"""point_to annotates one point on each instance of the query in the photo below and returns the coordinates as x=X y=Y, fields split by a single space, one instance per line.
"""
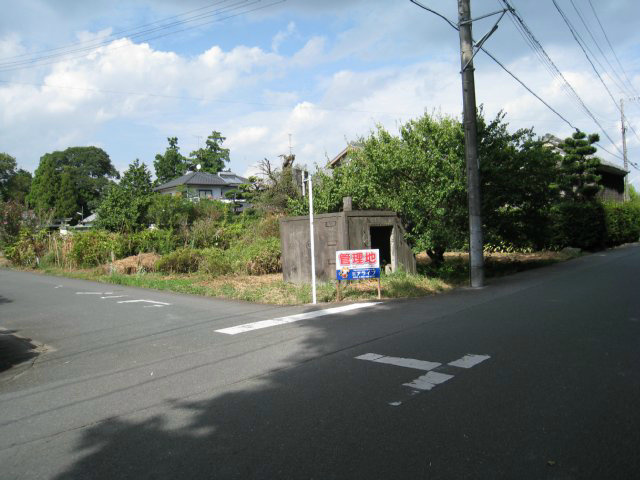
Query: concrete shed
x=347 y=230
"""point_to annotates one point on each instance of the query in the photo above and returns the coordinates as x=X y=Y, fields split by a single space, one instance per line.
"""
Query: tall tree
x=7 y=171
x=519 y=179
x=578 y=168
x=171 y=164
x=124 y=208
x=89 y=168
x=213 y=157
x=19 y=186
x=66 y=198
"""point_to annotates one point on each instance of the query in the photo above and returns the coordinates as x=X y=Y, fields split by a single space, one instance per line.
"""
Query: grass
x=271 y=289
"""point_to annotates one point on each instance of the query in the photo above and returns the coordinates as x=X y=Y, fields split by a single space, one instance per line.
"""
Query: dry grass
x=141 y=263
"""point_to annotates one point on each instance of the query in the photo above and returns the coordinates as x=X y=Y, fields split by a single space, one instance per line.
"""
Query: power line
x=511 y=9
x=39 y=61
x=580 y=42
x=611 y=47
x=621 y=86
x=513 y=75
x=96 y=42
x=557 y=73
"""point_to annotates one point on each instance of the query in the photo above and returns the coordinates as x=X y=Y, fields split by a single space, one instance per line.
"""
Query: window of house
x=205 y=193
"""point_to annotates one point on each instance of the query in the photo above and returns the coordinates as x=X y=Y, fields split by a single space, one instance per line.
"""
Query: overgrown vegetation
x=533 y=199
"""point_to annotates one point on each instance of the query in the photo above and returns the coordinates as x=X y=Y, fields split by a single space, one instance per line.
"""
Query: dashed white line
x=428 y=381
x=400 y=362
x=468 y=361
x=143 y=301
x=115 y=296
x=247 y=327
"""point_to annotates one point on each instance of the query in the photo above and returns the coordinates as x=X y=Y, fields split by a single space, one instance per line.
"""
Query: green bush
x=29 y=248
x=258 y=257
x=208 y=232
x=622 y=223
x=170 y=211
x=160 y=241
x=215 y=262
x=183 y=260
x=211 y=209
x=94 y=247
x=578 y=224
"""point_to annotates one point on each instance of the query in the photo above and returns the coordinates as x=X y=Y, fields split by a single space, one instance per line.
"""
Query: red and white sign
x=352 y=264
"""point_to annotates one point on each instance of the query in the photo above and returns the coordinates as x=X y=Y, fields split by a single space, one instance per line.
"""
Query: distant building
x=612 y=176
x=197 y=185
x=343 y=157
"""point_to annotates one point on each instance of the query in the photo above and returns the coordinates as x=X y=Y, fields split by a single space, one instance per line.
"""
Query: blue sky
x=325 y=72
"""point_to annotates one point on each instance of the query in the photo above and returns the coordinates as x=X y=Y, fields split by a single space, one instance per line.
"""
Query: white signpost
x=357 y=265
x=311 y=242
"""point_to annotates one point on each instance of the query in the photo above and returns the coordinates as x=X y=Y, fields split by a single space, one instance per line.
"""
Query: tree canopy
x=420 y=174
x=579 y=167
x=212 y=158
x=86 y=171
x=172 y=164
x=14 y=183
x=124 y=208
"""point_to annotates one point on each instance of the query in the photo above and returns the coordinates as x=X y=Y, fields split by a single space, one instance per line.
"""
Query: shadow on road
x=15 y=349
x=241 y=434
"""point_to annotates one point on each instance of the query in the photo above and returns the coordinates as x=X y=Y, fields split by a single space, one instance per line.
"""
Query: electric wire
x=510 y=8
x=48 y=60
x=114 y=35
x=611 y=47
x=617 y=80
x=580 y=42
x=538 y=47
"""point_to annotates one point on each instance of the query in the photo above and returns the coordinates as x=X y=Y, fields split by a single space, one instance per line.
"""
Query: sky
x=310 y=74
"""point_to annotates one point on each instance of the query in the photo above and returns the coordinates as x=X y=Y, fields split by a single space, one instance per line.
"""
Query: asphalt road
x=535 y=376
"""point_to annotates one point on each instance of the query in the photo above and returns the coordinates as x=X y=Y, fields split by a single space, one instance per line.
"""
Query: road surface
x=535 y=376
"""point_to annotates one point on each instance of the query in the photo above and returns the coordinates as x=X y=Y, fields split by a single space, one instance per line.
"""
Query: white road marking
x=469 y=361
x=145 y=301
x=58 y=286
x=432 y=378
x=94 y=293
x=115 y=296
x=428 y=381
x=400 y=362
x=247 y=327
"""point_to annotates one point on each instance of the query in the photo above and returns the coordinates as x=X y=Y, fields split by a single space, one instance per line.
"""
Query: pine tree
x=578 y=168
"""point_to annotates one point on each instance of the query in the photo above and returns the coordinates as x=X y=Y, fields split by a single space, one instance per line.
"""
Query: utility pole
x=624 y=151
x=476 y=259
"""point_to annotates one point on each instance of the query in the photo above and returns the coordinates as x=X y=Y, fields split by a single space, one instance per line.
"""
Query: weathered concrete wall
x=337 y=231
x=296 y=246
x=359 y=227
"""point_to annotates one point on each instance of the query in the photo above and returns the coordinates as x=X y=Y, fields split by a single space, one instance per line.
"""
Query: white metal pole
x=313 y=250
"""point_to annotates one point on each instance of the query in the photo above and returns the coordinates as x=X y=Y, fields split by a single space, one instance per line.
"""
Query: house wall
x=332 y=232
x=613 y=187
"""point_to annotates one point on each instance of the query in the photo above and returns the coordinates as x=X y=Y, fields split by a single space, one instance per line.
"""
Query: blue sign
x=358 y=274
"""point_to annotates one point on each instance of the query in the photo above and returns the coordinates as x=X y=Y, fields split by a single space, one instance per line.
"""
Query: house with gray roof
x=197 y=185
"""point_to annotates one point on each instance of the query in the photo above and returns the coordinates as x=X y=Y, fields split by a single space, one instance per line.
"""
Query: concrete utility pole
x=476 y=259
x=624 y=151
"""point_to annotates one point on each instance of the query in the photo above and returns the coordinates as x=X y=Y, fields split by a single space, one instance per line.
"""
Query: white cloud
x=282 y=35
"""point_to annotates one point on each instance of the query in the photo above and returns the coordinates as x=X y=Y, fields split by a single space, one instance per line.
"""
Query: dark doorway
x=381 y=239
